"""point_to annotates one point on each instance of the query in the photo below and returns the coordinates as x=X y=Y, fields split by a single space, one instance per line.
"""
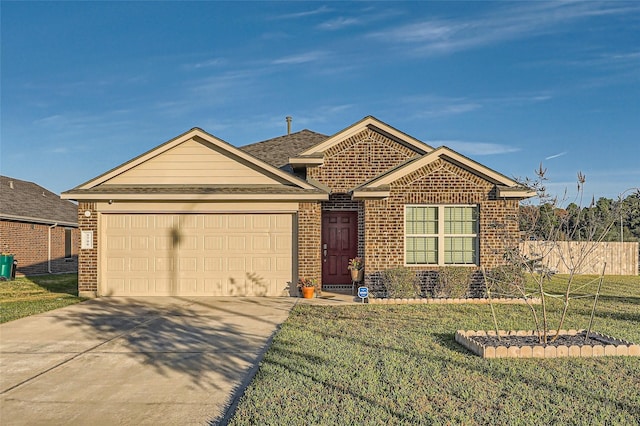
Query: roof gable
x=378 y=187
x=29 y=202
x=193 y=158
x=373 y=124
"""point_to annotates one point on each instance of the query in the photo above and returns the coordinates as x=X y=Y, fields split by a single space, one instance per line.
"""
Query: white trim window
x=441 y=235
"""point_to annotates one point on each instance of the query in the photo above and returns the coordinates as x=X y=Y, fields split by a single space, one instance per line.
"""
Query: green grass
x=399 y=364
x=33 y=295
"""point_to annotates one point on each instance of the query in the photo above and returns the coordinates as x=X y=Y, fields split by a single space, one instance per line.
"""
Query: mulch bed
x=562 y=340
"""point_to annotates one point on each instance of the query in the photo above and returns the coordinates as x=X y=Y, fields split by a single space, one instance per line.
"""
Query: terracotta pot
x=357 y=275
x=307 y=292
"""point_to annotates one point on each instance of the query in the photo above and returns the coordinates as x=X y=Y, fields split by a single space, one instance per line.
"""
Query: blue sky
x=87 y=86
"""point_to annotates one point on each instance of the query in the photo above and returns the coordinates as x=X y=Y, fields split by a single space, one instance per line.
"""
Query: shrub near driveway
x=33 y=295
x=399 y=364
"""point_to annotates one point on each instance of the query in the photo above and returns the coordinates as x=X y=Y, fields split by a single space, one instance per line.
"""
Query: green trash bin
x=6 y=265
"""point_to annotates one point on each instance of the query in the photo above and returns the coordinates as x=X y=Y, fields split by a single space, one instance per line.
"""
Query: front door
x=339 y=244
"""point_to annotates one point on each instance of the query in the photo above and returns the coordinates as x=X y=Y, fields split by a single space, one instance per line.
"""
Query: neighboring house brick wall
x=309 y=241
x=88 y=258
x=29 y=243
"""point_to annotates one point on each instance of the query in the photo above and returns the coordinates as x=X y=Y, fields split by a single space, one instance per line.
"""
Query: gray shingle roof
x=22 y=200
x=277 y=151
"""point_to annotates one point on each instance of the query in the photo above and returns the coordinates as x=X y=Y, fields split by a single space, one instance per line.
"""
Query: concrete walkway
x=132 y=361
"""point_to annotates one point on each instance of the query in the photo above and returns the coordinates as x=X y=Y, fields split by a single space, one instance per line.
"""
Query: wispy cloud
x=444 y=36
x=303 y=14
x=338 y=23
x=209 y=63
x=434 y=106
x=475 y=148
x=301 y=58
x=551 y=157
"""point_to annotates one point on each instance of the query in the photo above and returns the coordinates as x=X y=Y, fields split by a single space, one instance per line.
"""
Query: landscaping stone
x=525 y=344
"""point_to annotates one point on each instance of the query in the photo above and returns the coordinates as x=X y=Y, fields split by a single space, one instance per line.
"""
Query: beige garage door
x=196 y=255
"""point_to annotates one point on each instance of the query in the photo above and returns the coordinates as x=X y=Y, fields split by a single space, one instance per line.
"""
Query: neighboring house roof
x=259 y=178
x=277 y=151
x=28 y=202
x=379 y=186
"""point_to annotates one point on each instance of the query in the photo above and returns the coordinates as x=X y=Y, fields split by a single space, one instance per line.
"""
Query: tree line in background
x=615 y=220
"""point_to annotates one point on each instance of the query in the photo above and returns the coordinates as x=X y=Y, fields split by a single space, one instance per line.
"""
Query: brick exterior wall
x=358 y=159
x=351 y=163
x=309 y=241
x=29 y=243
x=88 y=258
x=437 y=183
x=367 y=154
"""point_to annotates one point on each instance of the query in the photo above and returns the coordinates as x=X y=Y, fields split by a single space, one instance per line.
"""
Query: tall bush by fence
x=621 y=258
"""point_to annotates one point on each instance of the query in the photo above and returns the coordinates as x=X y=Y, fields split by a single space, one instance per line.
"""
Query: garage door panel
x=237 y=243
x=139 y=264
x=117 y=242
x=163 y=264
x=189 y=242
x=214 y=242
x=139 y=285
x=163 y=242
x=213 y=255
x=188 y=264
x=282 y=243
x=116 y=264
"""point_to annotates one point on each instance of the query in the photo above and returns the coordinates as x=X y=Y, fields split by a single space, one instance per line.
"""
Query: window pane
x=422 y=220
x=422 y=250
x=460 y=220
x=460 y=250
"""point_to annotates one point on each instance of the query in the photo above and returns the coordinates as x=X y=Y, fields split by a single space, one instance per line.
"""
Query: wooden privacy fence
x=561 y=256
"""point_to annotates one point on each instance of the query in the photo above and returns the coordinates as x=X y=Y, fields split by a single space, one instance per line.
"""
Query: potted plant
x=356 y=266
x=307 y=286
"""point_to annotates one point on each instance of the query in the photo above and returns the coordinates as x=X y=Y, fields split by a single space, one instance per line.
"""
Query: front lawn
x=32 y=295
x=399 y=364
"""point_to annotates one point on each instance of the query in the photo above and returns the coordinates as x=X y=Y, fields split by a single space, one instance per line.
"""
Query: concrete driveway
x=160 y=360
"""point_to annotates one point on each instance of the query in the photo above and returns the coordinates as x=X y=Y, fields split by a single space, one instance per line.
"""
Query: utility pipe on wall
x=49 y=259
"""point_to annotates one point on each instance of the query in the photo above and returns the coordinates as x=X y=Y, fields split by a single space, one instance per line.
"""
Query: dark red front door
x=339 y=244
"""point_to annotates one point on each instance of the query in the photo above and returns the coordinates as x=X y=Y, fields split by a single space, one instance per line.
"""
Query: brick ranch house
x=198 y=216
x=38 y=228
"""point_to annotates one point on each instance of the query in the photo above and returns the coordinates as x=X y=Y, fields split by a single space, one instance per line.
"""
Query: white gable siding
x=191 y=162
